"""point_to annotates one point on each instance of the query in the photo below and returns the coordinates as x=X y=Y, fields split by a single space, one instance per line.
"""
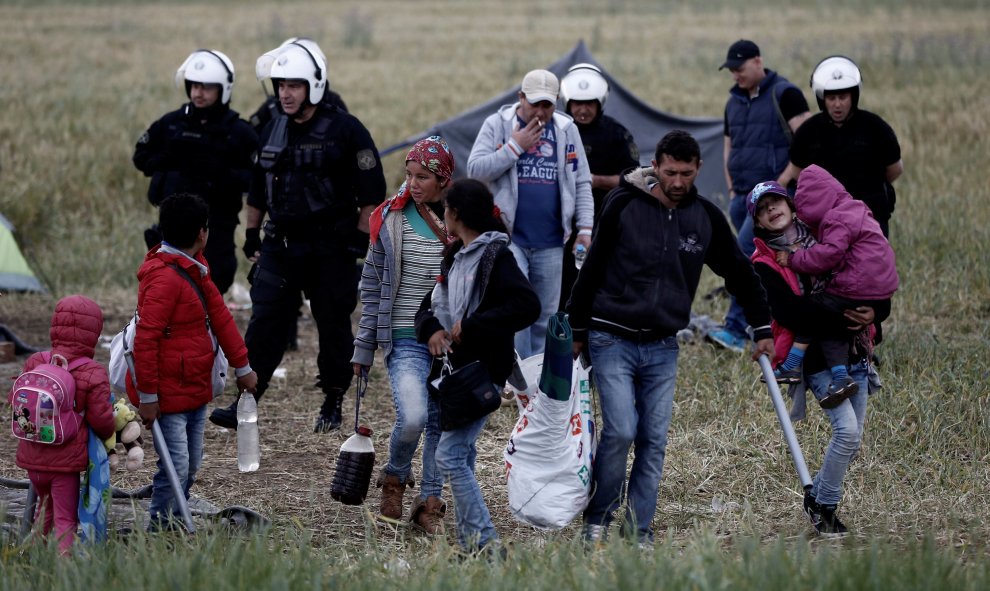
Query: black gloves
x=252 y=242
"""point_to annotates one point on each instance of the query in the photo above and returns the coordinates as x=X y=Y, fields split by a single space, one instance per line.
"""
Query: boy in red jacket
x=173 y=348
x=54 y=469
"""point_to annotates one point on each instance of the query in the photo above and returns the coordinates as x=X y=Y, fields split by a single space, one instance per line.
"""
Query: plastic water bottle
x=356 y=462
x=248 y=450
x=579 y=255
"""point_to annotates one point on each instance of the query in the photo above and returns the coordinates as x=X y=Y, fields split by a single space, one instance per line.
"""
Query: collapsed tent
x=645 y=123
x=15 y=274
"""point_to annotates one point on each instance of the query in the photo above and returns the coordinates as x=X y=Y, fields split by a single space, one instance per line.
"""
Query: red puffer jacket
x=173 y=351
x=76 y=327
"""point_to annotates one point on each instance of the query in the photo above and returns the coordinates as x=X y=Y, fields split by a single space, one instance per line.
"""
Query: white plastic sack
x=123 y=343
x=531 y=368
x=549 y=455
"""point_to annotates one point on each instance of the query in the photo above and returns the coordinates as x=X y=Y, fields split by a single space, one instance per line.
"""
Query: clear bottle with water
x=248 y=448
x=580 y=253
x=355 y=463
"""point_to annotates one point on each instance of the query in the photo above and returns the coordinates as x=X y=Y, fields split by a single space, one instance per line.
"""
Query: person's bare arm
x=604 y=181
x=791 y=172
x=795 y=122
x=894 y=171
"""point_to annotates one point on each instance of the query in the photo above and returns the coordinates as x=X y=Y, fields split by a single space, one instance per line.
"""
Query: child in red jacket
x=54 y=469
x=173 y=349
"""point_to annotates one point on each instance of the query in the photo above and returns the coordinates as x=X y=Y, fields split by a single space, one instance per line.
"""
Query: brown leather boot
x=427 y=515
x=392 y=491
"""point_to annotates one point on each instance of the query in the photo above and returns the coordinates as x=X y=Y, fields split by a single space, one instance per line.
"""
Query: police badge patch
x=366 y=159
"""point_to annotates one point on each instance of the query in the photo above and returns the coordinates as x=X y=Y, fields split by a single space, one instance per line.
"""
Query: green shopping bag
x=558 y=358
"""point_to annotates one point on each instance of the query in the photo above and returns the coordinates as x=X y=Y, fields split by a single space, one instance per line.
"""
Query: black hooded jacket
x=645 y=262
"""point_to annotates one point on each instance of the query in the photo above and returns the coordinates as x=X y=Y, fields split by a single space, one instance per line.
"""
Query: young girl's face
x=774 y=214
x=451 y=221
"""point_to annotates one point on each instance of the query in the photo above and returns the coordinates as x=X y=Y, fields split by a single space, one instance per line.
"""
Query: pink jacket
x=849 y=240
x=76 y=327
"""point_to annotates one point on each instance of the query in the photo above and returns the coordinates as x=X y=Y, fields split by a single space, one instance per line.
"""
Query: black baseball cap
x=739 y=52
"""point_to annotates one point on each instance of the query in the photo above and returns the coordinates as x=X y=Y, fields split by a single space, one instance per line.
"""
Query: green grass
x=220 y=562
x=83 y=80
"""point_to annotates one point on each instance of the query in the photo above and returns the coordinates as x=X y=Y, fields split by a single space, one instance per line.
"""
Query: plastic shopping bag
x=549 y=455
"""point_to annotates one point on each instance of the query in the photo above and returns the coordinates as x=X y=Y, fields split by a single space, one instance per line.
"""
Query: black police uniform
x=311 y=189
x=611 y=150
x=208 y=152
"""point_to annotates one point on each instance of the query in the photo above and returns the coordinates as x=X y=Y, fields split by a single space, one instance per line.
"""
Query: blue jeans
x=847 y=431
x=183 y=433
x=737 y=211
x=543 y=268
x=409 y=365
x=735 y=318
x=636 y=393
x=456 y=453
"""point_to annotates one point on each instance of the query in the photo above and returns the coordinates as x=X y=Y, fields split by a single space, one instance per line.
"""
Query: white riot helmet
x=294 y=61
x=584 y=82
x=207 y=66
x=836 y=73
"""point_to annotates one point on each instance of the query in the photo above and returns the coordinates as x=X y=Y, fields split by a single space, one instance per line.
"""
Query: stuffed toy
x=128 y=432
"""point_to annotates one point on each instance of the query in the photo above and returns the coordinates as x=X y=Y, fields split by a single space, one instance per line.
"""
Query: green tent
x=15 y=274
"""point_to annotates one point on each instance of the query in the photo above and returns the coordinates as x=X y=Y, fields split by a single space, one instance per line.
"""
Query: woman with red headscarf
x=407 y=242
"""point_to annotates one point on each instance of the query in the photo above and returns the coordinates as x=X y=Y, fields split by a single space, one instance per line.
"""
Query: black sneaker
x=225 y=417
x=786 y=376
x=331 y=412
x=829 y=524
x=839 y=391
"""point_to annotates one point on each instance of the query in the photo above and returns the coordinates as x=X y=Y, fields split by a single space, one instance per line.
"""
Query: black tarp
x=646 y=123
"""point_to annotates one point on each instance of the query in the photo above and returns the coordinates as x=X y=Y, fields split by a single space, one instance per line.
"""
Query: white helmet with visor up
x=207 y=66
x=584 y=82
x=294 y=61
x=833 y=74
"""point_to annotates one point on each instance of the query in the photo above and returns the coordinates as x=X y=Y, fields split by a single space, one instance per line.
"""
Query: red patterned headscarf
x=432 y=153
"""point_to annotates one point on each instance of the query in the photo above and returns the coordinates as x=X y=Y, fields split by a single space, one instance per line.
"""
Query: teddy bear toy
x=128 y=433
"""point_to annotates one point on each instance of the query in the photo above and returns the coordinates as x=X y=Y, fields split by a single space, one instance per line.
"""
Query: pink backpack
x=44 y=401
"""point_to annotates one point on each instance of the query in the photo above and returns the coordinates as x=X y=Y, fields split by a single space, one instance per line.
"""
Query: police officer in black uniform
x=206 y=149
x=319 y=176
x=271 y=109
x=610 y=147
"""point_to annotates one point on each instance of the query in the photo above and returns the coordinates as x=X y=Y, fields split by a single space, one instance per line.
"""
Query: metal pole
x=162 y=449
x=30 y=506
x=785 y=422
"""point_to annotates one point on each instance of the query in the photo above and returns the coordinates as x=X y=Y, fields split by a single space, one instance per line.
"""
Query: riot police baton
x=785 y=423
x=166 y=457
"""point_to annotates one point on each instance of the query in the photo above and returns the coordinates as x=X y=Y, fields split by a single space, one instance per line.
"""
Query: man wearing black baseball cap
x=762 y=114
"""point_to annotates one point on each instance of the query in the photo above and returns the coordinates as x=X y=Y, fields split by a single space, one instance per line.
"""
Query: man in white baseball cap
x=534 y=162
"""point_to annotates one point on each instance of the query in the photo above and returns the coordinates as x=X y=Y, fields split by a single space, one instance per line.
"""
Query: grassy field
x=83 y=80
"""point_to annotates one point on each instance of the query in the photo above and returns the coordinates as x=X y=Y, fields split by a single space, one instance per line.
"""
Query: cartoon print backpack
x=43 y=401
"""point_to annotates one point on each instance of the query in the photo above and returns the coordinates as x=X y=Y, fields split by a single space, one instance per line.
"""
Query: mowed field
x=81 y=82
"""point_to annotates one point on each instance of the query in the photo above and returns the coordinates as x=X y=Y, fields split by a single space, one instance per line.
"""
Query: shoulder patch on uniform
x=144 y=139
x=366 y=159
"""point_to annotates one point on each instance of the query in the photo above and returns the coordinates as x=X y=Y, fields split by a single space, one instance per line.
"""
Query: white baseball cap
x=540 y=85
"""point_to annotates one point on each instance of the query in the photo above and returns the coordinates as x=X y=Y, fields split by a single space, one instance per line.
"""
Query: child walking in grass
x=842 y=245
x=54 y=469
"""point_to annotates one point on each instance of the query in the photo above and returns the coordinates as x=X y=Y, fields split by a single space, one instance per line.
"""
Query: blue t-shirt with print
x=538 y=218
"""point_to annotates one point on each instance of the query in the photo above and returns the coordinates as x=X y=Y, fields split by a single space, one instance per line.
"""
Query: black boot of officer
x=331 y=412
x=329 y=420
